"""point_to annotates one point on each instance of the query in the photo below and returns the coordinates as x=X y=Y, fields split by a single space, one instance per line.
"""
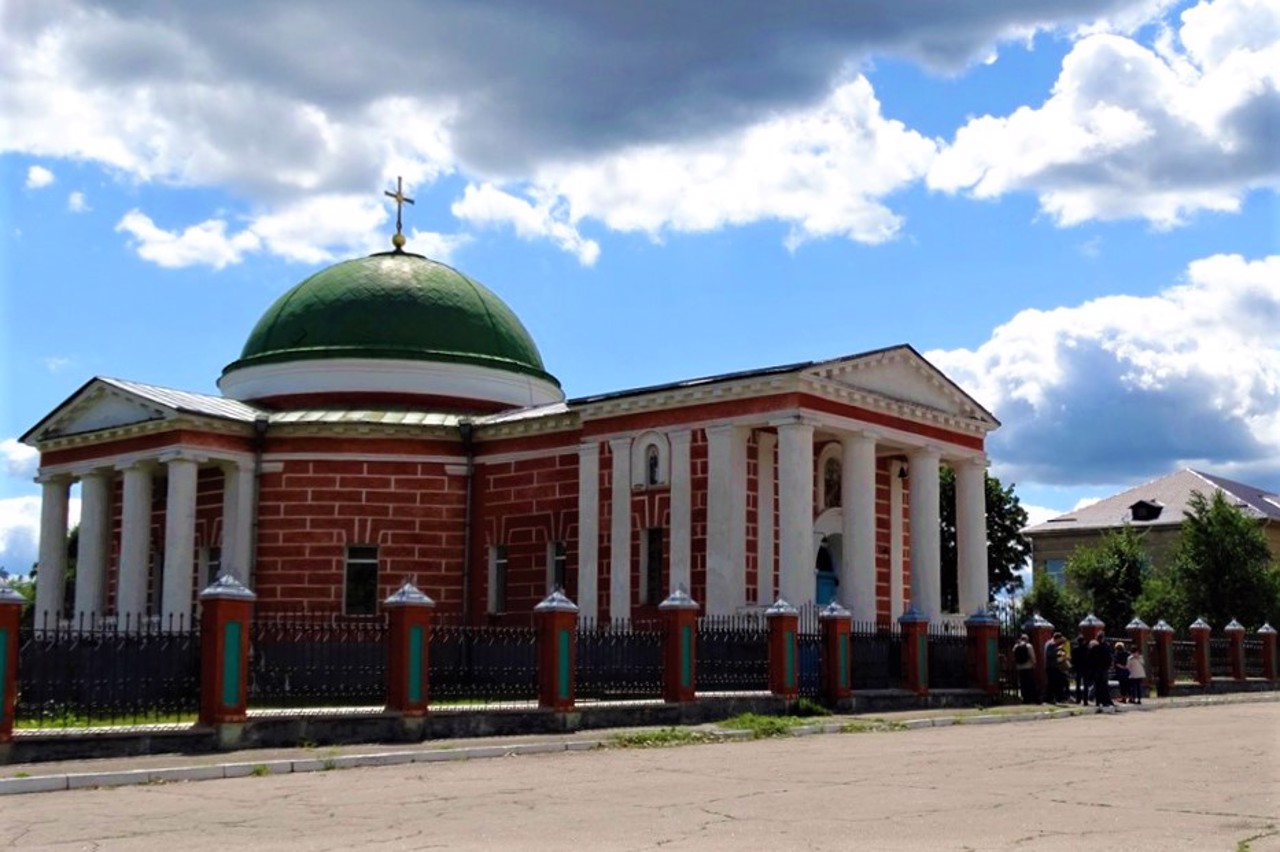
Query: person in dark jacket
x=1121 y=670
x=1080 y=668
x=1100 y=662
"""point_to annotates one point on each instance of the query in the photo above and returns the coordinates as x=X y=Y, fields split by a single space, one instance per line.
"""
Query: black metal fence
x=948 y=659
x=875 y=654
x=1220 y=658
x=1184 y=659
x=309 y=660
x=619 y=660
x=733 y=654
x=810 y=663
x=1253 y=658
x=81 y=674
x=482 y=666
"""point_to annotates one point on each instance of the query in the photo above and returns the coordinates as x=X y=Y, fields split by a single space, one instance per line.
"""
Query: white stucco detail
x=858 y=568
x=897 y=572
x=375 y=375
x=971 y=535
x=766 y=467
x=55 y=492
x=926 y=536
x=681 y=511
x=179 y=542
x=135 y=544
x=795 y=512
x=95 y=544
x=726 y=519
x=102 y=410
x=588 y=530
x=640 y=451
x=620 y=531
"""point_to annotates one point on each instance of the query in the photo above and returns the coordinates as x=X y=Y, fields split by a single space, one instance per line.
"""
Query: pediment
x=903 y=375
x=95 y=407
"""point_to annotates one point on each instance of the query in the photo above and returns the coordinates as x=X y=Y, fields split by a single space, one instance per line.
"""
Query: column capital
x=793 y=421
x=856 y=436
x=53 y=479
x=680 y=436
x=957 y=462
x=766 y=439
x=181 y=455
x=589 y=448
x=616 y=444
x=144 y=464
x=241 y=465
x=723 y=429
x=925 y=451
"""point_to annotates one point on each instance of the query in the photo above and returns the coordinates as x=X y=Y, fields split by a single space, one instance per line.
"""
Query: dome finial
x=401 y=200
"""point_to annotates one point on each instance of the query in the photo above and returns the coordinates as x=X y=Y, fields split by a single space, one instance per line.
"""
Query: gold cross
x=401 y=200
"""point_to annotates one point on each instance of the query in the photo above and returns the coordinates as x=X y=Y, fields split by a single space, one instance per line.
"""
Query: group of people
x=1092 y=664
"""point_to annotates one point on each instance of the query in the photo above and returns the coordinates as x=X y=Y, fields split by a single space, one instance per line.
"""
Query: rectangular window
x=498 y=578
x=557 y=560
x=1056 y=569
x=212 y=557
x=651 y=594
x=362 y=581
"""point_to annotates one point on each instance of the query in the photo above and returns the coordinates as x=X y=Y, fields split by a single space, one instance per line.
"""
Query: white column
x=726 y=519
x=620 y=531
x=896 y=563
x=95 y=544
x=795 y=512
x=135 y=543
x=681 y=511
x=179 y=541
x=766 y=444
x=52 y=568
x=858 y=502
x=926 y=535
x=588 y=530
x=237 y=520
x=971 y=534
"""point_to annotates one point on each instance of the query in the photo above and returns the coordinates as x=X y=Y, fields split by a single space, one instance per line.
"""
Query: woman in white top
x=1137 y=675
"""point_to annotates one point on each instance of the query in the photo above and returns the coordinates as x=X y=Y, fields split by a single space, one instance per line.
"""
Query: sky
x=1070 y=207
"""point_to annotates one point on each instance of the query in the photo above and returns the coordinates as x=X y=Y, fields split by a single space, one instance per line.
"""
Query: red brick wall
x=311 y=511
x=527 y=504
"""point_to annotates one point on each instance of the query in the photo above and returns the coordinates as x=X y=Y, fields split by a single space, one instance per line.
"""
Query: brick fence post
x=557 y=619
x=11 y=604
x=915 y=651
x=983 y=631
x=1163 y=634
x=408 y=647
x=1039 y=630
x=679 y=614
x=1200 y=631
x=225 y=614
x=1092 y=628
x=784 y=622
x=1267 y=634
x=1235 y=639
x=836 y=622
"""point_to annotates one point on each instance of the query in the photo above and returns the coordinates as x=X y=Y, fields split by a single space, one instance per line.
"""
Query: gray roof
x=1172 y=494
x=194 y=403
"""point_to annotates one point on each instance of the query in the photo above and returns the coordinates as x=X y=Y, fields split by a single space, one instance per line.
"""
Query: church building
x=390 y=419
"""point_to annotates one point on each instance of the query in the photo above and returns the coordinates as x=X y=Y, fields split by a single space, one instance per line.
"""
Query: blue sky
x=1071 y=210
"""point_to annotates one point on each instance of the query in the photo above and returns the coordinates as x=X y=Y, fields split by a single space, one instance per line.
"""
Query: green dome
x=397 y=306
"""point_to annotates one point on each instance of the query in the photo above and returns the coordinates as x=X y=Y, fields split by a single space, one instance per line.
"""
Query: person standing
x=1024 y=660
x=1056 y=665
x=1080 y=668
x=1100 y=661
x=1137 y=675
x=1121 y=663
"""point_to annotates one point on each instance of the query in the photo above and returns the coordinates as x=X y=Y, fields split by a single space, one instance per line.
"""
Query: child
x=1137 y=675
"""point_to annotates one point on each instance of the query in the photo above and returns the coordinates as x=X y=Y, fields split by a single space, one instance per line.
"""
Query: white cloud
x=206 y=243
x=317 y=229
x=39 y=177
x=1085 y=502
x=76 y=203
x=1123 y=387
x=822 y=171
x=56 y=364
x=19 y=460
x=1039 y=514
x=20 y=531
x=486 y=205
x=1131 y=131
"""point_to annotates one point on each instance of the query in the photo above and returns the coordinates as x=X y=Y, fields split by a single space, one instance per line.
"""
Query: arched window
x=831 y=483
x=652 y=466
x=650 y=461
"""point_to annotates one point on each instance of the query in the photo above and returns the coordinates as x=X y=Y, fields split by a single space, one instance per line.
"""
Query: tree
x=1221 y=569
x=1060 y=606
x=1007 y=548
x=1109 y=576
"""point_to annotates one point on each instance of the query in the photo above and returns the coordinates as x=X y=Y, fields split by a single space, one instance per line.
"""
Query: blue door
x=827 y=581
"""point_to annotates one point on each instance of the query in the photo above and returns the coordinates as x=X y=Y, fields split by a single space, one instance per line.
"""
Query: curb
x=123 y=778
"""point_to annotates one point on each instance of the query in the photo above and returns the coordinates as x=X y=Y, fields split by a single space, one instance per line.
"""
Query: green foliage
x=809 y=707
x=1061 y=607
x=663 y=738
x=1109 y=576
x=1221 y=569
x=1007 y=548
x=762 y=726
